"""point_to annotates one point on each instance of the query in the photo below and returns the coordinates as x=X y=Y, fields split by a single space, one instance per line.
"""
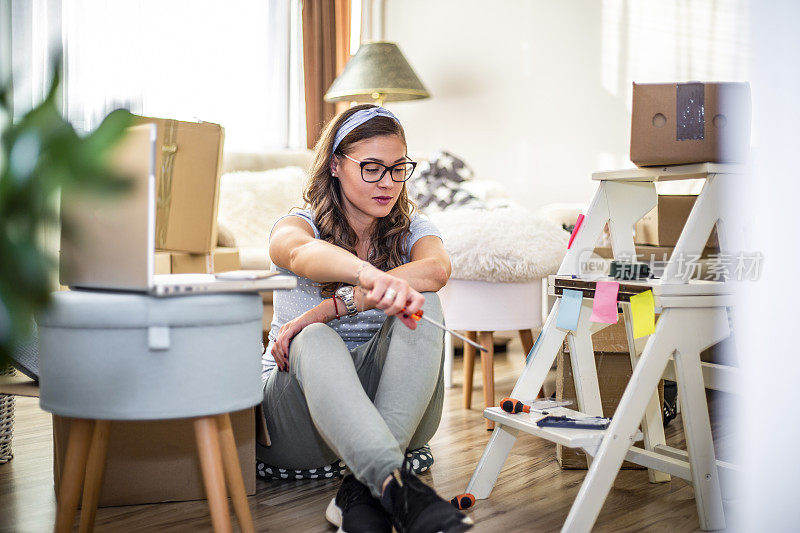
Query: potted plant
x=40 y=155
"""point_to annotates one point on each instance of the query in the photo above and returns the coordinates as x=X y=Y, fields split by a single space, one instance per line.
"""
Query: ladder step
x=571 y=438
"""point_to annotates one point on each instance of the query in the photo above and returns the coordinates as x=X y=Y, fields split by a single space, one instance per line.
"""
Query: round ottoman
x=118 y=356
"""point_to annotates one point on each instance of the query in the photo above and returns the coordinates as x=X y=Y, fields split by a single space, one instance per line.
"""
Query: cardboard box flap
x=188 y=166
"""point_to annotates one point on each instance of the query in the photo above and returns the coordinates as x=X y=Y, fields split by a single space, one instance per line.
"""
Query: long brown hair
x=324 y=196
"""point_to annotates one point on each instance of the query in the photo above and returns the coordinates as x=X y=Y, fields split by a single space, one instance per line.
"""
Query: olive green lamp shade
x=377 y=73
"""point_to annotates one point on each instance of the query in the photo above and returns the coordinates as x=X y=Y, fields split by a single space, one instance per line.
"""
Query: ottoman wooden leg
x=95 y=467
x=469 y=369
x=205 y=431
x=80 y=436
x=233 y=474
x=526 y=337
x=487 y=365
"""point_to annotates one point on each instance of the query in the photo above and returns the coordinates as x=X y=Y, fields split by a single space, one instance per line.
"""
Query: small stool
x=480 y=308
x=114 y=356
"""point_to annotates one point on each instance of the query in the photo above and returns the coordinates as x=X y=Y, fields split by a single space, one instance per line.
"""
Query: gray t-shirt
x=290 y=304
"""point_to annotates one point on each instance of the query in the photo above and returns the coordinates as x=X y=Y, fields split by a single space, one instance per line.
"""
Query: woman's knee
x=432 y=306
x=313 y=341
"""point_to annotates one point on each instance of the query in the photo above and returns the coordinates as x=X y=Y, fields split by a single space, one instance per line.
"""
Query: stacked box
x=220 y=260
x=188 y=166
x=663 y=225
x=156 y=461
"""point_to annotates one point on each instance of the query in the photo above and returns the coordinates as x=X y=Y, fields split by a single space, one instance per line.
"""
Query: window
x=235 y=63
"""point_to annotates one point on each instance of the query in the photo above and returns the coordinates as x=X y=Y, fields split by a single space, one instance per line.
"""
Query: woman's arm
x=429 y=268
x=292 y=246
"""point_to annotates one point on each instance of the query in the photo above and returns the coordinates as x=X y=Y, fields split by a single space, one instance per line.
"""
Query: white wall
x=766 y=325
x=536 y=93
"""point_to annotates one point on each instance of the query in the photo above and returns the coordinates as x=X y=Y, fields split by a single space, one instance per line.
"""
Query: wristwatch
x=345 y=294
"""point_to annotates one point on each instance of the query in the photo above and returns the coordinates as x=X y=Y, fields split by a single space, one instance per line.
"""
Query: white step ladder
x=693 y=317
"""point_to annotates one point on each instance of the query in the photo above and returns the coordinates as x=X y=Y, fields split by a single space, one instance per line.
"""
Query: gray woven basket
x=7 y=403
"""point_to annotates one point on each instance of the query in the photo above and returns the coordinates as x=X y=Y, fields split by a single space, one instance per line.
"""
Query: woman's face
x=372 y=199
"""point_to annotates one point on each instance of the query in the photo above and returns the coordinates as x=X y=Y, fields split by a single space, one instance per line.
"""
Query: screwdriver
x=419 y=315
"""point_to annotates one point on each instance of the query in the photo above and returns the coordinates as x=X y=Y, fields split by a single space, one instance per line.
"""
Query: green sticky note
x=643 y=312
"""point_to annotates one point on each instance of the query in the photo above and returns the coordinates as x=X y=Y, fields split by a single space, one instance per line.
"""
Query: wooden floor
x=532 y=492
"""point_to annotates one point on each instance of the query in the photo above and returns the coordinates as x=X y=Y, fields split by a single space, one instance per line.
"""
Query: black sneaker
x=355 y=510
x=670 y=407
x=416 y=508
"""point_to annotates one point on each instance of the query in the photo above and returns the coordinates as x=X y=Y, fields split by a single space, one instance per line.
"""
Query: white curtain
x=35 y=35
x=652 y=41
x=236 y=63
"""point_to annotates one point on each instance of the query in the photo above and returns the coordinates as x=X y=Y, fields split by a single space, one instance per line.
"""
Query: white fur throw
x=501 y=245
x=251 y=202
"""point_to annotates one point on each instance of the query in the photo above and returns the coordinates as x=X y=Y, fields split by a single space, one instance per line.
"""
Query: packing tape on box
x=168 y=149
x=690 y=112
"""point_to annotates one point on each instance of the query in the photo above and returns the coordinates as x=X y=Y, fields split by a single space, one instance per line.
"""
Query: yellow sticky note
x=643 y=311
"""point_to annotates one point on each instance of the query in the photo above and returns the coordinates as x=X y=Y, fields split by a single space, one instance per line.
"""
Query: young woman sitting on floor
x=349 y=373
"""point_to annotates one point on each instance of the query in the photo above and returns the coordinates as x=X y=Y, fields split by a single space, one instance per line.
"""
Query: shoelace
x=354 y=493
x=423 y=494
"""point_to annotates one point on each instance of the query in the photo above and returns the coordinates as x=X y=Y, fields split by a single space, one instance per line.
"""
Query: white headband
x=357 y=119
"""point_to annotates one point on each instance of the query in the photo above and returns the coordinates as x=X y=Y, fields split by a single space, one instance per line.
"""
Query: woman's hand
x=389 y=293
x=280 y=348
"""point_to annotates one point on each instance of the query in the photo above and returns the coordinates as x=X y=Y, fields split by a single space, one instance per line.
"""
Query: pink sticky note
x=575 y=231
x=604 y=308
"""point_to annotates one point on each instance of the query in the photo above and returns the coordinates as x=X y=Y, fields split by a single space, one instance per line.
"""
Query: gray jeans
x=364 y=406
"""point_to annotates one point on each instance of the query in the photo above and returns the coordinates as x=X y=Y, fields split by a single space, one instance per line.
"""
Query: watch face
x=346 y=294
x=344 y=291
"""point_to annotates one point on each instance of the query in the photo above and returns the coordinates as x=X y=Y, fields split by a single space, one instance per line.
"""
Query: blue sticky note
x=569 y=310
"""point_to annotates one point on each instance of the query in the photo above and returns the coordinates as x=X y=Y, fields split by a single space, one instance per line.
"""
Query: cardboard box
x=644 y=252
x=663 y=225
x=163 y=263
x=156 y=461
x=677 y=123
x=19 y=385
x=220 y=260
x=188 y=165
x=609 y=339
x=613 y=372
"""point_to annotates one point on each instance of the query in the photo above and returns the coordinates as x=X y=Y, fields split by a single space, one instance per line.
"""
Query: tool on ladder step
x=514 y=406
x=510 y=405
x=589 y=422
x=463 y=501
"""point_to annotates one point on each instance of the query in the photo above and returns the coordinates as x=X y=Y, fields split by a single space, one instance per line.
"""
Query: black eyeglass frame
x=386 y=168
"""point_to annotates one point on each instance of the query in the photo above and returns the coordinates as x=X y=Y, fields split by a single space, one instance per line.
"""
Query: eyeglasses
x=373 y=172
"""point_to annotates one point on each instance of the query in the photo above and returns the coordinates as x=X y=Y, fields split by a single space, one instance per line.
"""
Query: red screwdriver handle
x=514 y=406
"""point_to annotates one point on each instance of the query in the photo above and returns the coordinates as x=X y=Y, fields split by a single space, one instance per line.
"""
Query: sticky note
x=604 y=308
x=569 y=310
x=643 y=312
